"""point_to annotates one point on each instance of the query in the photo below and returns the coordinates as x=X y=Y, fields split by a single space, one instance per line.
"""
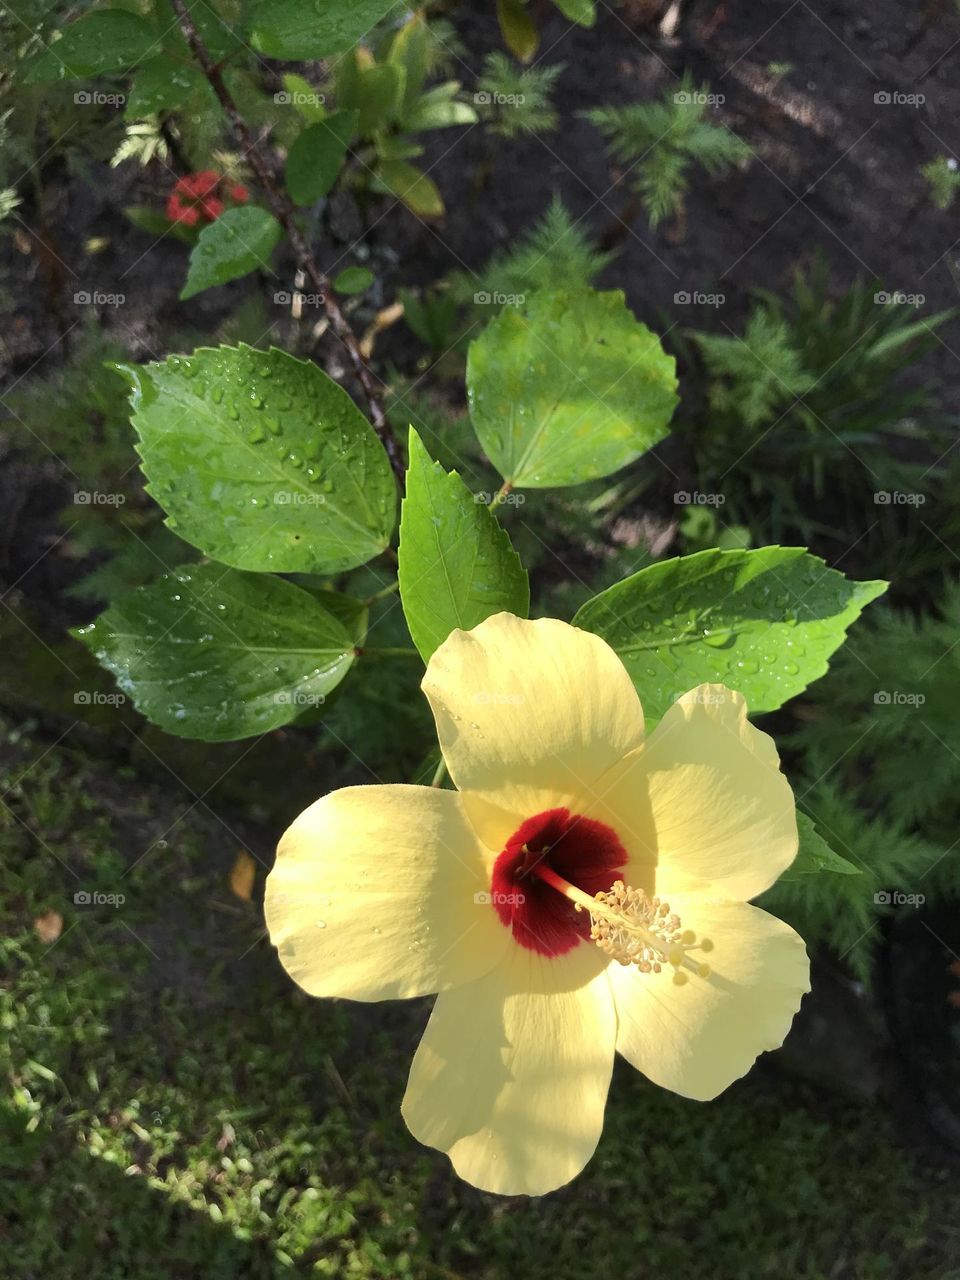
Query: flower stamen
x=632 y=928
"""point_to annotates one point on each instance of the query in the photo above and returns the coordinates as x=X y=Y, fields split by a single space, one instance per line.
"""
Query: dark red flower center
x=586 y=853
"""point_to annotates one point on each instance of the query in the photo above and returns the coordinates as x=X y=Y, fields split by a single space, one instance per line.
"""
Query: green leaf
x=102 y=42
x=815 y=855
x=583 y=12
x=237 y=243
x=763 y=622
x=298 y=32
x=262 y=461
x=518 y=29
x=210 y=653
x=303 y=97
x=415 y=189
x=220 y=35
x=457 y=566
x=156 y=223
x=439 y=109
x=410 y=49
x=354 y=614
x=378 y=96
x=316 y=157
x=568 y=387
x=353 y=280
x=166 y=84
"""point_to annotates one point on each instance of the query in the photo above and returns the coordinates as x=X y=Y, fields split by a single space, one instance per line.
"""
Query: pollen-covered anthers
x=634 y=929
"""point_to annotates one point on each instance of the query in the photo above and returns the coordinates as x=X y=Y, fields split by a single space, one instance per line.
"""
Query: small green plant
x=813 y=390
x=432 y=315
x=888 y=714
x=880 y=741
x=943 y=180
x=386 y=93
x=557 y=247
x=516 y=100
x=845 y=912
x=752 y=377
x=661 y=142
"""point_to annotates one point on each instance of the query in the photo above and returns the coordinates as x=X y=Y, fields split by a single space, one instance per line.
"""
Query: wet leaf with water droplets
x=764 y=622
x=96 y=44
x=211 y=653
x=305 y=29
x=278 y=472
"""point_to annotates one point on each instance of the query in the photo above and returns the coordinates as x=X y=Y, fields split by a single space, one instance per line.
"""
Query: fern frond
x=659 y=141
x=756 y=375
x=516 y=99
x=555 y=250
x=943 y=179
x=846 y=913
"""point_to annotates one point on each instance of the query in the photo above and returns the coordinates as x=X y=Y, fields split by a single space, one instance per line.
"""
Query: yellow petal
x=511 y=1077
x=705 y=800
x=529 y=716
x=696 y=1039
x=373 y=895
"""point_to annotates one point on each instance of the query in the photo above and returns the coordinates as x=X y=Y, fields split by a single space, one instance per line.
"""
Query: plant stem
x=502 y=494
x=440 y=774
x=283 y=210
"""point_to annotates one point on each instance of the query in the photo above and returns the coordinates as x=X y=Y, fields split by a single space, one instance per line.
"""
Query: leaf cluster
x=661 y=142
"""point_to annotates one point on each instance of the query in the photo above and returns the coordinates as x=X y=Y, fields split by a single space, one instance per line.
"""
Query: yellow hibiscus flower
x=584 y=891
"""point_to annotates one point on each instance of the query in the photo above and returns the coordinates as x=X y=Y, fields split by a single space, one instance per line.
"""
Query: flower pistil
x=633 y=928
